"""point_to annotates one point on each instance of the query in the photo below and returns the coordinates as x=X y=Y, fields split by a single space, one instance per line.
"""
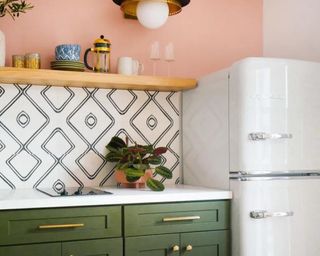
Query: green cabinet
x=163 y=229
x=192 y=228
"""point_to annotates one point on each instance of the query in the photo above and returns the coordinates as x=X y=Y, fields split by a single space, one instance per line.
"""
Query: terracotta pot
x=140 y=183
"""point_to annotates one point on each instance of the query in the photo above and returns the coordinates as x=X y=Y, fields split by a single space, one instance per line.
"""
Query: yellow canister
x=18 y=61
x=32 y=60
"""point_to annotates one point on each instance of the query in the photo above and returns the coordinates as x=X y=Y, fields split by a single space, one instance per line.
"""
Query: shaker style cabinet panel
x=156 y=245
x=210 y=243
x=52 y=249
x=175 y=217
x=192 y=228
x=46 y=225
x=99 y=247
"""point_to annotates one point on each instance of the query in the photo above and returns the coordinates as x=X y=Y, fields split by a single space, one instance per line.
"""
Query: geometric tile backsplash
x=57 y=135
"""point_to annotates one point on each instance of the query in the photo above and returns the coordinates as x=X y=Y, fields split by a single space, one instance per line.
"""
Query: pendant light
x=151 y=14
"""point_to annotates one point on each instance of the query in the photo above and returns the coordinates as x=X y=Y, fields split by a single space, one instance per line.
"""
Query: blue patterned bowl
x=68 y=52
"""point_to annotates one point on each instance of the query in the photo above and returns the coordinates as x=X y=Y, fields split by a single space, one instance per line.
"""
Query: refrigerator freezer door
x=274 y=117
x=276 y=218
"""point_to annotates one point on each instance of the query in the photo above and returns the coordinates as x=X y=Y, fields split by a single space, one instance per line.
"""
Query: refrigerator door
x=274 y=116
x=276 y=217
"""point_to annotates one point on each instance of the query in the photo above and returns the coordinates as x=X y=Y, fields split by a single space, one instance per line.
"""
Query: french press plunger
x=101 y=57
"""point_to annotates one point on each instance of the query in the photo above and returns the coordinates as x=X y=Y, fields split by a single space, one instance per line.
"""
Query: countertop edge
x=184 y=194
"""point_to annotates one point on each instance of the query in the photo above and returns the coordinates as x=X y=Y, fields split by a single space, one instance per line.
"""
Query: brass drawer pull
x=57 y=226
x=185 y=218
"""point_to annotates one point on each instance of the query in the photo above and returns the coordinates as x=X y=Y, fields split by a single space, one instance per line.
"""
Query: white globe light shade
x=152 y=14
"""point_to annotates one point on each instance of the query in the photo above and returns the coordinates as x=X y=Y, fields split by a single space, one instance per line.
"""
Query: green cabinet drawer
x=98 y=247
x=61 y=224
x=176 y=217
x=52 y=249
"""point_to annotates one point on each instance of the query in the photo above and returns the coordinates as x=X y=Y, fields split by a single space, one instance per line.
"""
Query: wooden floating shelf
x=95 y=80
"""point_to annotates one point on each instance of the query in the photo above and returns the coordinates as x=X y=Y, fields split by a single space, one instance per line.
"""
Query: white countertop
x=31 y=198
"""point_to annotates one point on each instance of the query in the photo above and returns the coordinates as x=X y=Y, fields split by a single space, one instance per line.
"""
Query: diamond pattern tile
x=24 y=163
x=2 y=146
x=55 y=136
x=58 y=144
x=142 y=121
x=90 y=121
x=1 y=91
x=23 y=119
x=91 y=162
x=122 y=100
x=57 y=97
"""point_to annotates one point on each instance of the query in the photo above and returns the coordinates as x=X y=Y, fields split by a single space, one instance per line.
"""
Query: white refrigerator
x=254 y=128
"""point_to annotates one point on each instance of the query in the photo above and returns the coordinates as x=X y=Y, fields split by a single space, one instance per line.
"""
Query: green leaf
x=132 y=179
x=113 y=157
x=154 y=160
x=164 y=172
x=148 y=148
x=116 y=143
x=141 y=166
x=122 y=166
x=155 y=185
x=133 y=173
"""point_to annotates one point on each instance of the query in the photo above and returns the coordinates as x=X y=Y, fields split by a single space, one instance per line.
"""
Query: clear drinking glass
x=169 y=56
x=155 y=55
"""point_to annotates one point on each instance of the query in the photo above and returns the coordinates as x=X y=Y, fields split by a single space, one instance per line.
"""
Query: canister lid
x=33 y=55
x=102 y=44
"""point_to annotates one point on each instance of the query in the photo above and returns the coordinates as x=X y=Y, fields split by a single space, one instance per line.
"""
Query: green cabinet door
x=98 y=247
x=155 y=245
x=211 y=243
x=52 y=249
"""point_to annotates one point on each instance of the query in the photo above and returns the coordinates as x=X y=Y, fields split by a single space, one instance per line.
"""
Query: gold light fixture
x=151 y=13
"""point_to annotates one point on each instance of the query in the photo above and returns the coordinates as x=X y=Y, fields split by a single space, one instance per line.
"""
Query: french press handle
x=85 y=58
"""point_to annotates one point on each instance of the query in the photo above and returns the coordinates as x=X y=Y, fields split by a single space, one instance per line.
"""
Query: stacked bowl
x=68 y=58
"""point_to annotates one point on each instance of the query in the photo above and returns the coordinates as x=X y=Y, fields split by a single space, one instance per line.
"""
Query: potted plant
x=14 y=7
x=137 y=164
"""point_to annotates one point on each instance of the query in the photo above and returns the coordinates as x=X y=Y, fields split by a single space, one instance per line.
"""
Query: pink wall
x=208 y=35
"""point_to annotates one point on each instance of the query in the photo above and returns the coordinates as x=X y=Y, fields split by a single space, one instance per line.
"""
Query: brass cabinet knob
x=175 y=248
x=189 y=248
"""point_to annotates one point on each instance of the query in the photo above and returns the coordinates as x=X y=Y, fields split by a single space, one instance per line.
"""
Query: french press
x=101 y=57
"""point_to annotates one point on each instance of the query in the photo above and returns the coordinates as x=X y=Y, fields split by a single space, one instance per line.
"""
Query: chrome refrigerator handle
x=269 y=136
x=265 y=214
